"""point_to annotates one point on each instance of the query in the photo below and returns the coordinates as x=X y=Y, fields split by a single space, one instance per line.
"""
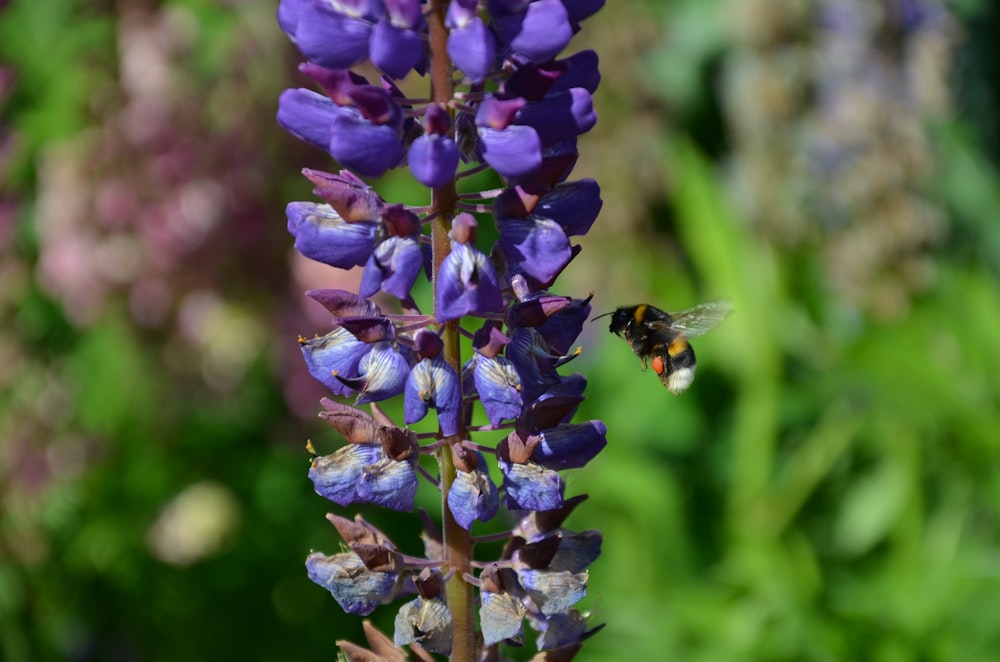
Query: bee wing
x=699 y=320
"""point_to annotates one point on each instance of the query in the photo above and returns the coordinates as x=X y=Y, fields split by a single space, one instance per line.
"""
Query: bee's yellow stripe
x=677 y=345
x=640 y=312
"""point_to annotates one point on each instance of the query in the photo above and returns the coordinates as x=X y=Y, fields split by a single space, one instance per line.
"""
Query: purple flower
x=322 y=235
x=514 y=152
x=307 y=115
x=388 y=483
x=559 y=117
x=337 y=354
x=356 y=589
x=434 y=157
x=473 y=495
x=520 y=113
x=499 y=388
x=393 y=267
x=577 y=550
x=350 y=197
x=530 y=486
x=380 y=471
x=325 y=33
x=570 y=446
x=362 y=145
x=336 y=476
x=554 y=591
x=527 y=351
x=561 y=629
x=501 y=616
x=578 y=70
x=341 y=303
x=288 y=16
x=535 y=246
x=365 y=137
x=426 y=622
x=433 y=383
x=467 y=284
x=382 y=373
x=396 y=45
x=538 y=32
x=471 y=45
x=473 y=48
x=573 y=205
x=558 y=320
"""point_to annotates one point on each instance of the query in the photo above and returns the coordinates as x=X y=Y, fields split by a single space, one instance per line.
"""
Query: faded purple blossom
x=356 y=589
x=473 y=495
x=426 y=622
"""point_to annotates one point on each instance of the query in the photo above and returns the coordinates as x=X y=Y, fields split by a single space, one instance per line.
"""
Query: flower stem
x=457 y=541
x=458 y=558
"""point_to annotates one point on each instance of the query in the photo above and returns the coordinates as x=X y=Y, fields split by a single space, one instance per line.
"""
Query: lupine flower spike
x=500 y=97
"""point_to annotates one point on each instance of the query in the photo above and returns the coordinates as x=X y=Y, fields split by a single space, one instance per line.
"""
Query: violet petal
x=392 y=267
x=499 y=388
x=322 y=235
x=559 y=117
x=330 y=39
x=473 y=496
x=395 y=50
x=571 y=446
x=389 y=483
x=467 y=284
x=531 y=486
x=472 y=47
x=573 y=205
x=539 y=33
x=355 y=588
x=336 y=476
x=514 y=152
x=307 y=115
x=358 y=144
x=536 y=246
x=384 y=370
x=582 y=71
x=336 y=353
x=433 y=383
x=433 y=160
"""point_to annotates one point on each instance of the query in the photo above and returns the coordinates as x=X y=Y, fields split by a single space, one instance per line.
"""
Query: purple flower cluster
x=519 y=111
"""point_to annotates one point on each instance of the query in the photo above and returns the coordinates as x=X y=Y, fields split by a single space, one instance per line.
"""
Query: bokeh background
x=827 y=490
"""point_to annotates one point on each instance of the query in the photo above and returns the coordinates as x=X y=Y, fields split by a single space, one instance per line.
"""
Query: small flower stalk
x=502 y=95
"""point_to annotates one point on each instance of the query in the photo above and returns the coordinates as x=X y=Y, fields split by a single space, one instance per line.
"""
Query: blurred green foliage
x=826 y=490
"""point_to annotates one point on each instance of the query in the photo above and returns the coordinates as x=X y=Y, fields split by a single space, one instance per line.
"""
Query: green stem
x=457 y=541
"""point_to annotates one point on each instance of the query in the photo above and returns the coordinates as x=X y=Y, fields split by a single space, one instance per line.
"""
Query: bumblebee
x=663 y=337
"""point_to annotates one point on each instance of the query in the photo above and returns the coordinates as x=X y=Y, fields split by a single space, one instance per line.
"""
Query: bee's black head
x=620 y=319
